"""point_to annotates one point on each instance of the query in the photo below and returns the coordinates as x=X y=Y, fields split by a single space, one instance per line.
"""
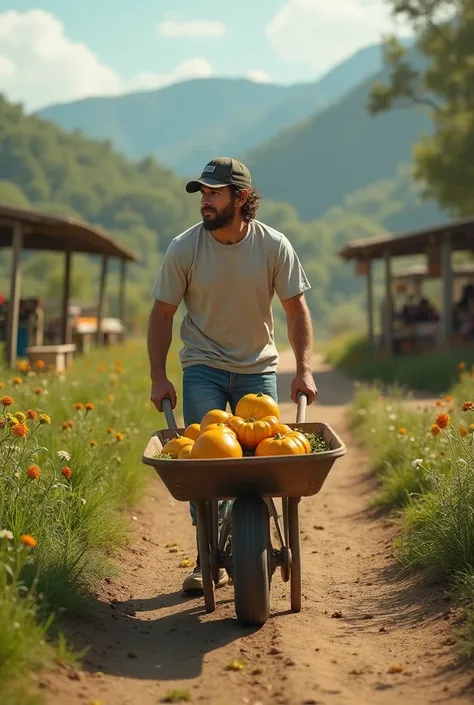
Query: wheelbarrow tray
x=266 y=476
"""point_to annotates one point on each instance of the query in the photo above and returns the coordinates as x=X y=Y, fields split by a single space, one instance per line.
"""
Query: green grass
x=433 y=371
x=428 y=480
x=76 y=517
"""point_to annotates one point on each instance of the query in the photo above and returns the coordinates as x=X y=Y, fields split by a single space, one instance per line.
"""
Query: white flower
x=412 y=439
x=391 y=428
x=417 y=462
x=64 y=455
x=6 y=534
x=392 y=417
x=461 y=461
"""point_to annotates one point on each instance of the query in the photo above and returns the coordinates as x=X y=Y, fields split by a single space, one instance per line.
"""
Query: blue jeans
x=206 y=388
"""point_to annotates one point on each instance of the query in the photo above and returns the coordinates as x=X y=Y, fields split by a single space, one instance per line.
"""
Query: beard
x=220 y=218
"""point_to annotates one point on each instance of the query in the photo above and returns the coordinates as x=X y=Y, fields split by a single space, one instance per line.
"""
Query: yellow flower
x=44 y=419
x=20 y=416
x=17 y=380
x=110 y=397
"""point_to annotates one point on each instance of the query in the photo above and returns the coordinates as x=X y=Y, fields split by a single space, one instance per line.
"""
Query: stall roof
x=420 y=271
x=44 y=231
x=415 y=242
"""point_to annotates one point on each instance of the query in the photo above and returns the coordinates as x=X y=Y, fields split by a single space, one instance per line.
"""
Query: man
x=226 y=270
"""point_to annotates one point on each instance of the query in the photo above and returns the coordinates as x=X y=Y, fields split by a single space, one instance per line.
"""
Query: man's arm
x=300 y=336
x=160 y=331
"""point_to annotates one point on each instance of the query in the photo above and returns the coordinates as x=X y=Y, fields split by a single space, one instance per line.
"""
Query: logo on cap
x=208 y=168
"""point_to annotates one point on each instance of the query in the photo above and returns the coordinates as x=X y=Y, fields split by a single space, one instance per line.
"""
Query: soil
x=365 y=634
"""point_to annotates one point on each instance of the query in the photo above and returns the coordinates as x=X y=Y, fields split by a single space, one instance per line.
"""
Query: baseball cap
x=220 y=172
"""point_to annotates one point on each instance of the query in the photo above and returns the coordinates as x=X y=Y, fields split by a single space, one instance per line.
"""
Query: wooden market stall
x=28 y=229
x=437 y=244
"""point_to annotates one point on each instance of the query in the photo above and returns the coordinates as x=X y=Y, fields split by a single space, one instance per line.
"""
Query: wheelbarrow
x=241 y=541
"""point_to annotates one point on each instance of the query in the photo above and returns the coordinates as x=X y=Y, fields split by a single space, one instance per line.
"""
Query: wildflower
x=435 y=430
x=119 y=436
x=89 y=406
x=64 y=455
x=110 y=397
x=31 y=414
x=448 y=398
x=463 y=431
x=44 y=419
x=402 y=431
x=462 y=366
x=92 y=443
x=417 y=462
x=2 y=384
x=7 y=401
x=110 y=429
x=66 y=472
x=468 y=406
x=106 y=443
x=78 y=405
x=6 y=534
x=28 y=540
x=33 y=472
x=461 y=461
x=439 y=402
x=20 y=416
x=38 y=391
x=17 y=380
x=40 y=364
x=443 y=420
x=20 y=430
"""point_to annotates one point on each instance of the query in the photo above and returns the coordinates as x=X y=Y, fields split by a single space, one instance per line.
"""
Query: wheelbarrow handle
x=168 y=412
x=302 y=402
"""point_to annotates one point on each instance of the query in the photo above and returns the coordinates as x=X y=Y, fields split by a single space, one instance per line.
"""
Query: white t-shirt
x=227 y=291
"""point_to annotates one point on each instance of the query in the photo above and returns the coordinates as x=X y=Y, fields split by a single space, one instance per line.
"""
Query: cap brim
x=195 y=186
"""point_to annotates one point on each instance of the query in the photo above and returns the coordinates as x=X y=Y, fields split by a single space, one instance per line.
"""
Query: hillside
x=338 y=151
x=183 y=124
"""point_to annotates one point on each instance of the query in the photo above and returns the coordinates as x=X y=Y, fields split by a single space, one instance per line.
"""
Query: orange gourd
x=175 y=445
x=192 y=431
x=185 y=452
x=279 y=445
x=250 y=431
x=301 y=438
x=214 y=416
x=257 y=406
x=216 y=443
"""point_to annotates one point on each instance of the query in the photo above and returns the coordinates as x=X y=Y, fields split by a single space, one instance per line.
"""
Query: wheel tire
x=251 y=560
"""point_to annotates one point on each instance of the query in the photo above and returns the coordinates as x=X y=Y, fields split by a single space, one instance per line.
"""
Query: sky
x=55 y=51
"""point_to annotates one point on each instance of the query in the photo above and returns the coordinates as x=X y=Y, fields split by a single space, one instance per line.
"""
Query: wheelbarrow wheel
x=295 y=547
x=205 y=556
x=251 y=560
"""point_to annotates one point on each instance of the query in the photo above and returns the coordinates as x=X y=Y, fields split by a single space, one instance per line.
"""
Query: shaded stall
x=29 y=229
x=436 y=243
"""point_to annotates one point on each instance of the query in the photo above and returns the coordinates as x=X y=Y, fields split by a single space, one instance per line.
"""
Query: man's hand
x=304 y=382
x=160 y=389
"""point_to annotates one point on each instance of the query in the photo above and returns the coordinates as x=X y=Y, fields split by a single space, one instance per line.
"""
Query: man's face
x=218 y=207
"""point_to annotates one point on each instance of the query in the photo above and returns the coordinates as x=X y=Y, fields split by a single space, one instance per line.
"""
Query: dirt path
x=358 y=618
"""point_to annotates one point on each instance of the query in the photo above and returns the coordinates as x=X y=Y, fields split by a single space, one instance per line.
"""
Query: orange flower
x=439 y=402
x=435 y=429
x=106 y=443
x=17 y=380
x=443 y=420
x=38 y=391
x=101 y=368
x=20 y=430
x=89 y=406
x=119 y=436
x=448 y=398
x=402 y=431
x=462 y=366
x=92 y=443
x=28 y=540
x=66 y=472
x=110 y=429
x=40 y=364
x=7 y=401
x=463 y=430
x=78 y=405
x=31 y=414
x=33 y=472
x=2 y=384
x=468 y=406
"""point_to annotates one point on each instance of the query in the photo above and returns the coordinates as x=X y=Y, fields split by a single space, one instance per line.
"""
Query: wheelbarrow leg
x=295 y=546
x=204 y=556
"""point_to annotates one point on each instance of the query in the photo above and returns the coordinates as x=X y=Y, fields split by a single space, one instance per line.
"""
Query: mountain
x=185 y=124
x=316 y=163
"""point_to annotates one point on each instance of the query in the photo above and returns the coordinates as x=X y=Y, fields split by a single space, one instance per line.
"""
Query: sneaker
x=193 y=583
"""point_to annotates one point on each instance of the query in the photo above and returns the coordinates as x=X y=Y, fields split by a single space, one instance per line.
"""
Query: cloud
x=191 y=28
x=321 y=33
x=258 y=76
x=40 y=65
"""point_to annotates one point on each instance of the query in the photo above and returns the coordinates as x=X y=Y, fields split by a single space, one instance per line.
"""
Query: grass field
x=70 y=464
x=424 y=462
x=433 y=371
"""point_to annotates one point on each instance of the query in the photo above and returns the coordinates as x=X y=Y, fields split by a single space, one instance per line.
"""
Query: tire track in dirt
x=359 y=619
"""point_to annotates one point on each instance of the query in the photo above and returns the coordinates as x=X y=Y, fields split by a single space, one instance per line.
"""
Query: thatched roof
x=44 y=231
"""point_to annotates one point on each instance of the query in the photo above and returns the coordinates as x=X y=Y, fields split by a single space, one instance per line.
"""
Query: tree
x=438 y=77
